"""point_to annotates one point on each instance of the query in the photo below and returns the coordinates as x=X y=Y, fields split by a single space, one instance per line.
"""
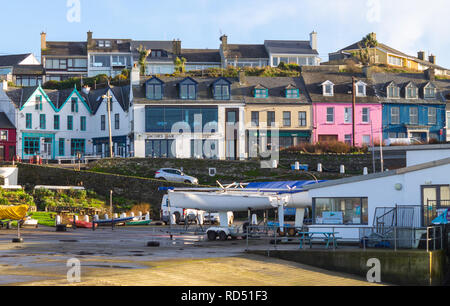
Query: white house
x=353 y=201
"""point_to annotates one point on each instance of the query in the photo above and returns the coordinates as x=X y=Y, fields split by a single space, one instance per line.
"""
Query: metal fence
x=430 y=212
x=337 y=237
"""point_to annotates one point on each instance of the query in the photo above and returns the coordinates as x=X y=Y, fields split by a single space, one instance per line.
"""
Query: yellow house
x=385 y=55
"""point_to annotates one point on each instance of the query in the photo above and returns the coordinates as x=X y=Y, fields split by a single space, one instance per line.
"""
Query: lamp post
x=108 y=98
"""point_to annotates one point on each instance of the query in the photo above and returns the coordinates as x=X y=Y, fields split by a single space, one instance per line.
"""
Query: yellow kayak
x=13 y=212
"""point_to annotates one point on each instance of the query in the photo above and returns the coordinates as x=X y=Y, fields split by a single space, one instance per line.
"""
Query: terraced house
x=413 y=105
x=59 y=124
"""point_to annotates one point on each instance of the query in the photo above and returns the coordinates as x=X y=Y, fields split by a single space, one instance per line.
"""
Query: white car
x=175 y=175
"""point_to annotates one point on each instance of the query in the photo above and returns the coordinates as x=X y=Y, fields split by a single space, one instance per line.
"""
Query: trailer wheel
x=223 y=236
x=212 y=236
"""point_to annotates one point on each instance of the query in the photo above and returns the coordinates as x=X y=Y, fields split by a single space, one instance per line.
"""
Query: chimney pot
x=421 y=55
x=43 y=41
x=432 y=59
x=242 y=77
x=313 y=40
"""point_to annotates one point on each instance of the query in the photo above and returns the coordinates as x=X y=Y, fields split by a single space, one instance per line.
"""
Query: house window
x=432 y=116
x=188 y=92
x=411 y=93
x=255 y=119
x=4 y=135
x=430 y=92
x=261 y=93
x=286 y=119
x=365 y=115
x=330 y=114
x=270 y=119
x=395 y=115
x=117 y=121
x=328 y=90
x=348 y=139
x=61 y=145
x=154 y=91
x=83 y=123
x=77 y=146
x=292 y=93
x=222 y=92
x=361 y=89
x=338 y=211
x=366 y=140
x=74 y=105
x=348 y=115
x=301 y=119
x=103 y=123
x=413 y=115
x=70 y=123
x=56 y=122
x=395 y=61
x=393 y=92
x=38 y=104
x=29 y=121
x=31 y=145
x=42 y=123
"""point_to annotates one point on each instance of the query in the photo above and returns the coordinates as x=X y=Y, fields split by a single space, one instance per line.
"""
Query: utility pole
x=354 y=109
x=108 y=98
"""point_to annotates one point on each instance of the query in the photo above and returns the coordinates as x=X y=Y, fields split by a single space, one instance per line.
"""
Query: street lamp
x=108 y=98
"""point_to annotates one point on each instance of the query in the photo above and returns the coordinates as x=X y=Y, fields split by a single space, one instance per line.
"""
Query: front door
x=47 y=149
x=232 y=117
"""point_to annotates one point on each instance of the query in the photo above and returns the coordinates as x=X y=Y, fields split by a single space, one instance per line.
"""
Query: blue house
x=413 y=106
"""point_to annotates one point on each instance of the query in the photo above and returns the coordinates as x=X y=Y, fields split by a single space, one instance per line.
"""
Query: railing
x=273 y=238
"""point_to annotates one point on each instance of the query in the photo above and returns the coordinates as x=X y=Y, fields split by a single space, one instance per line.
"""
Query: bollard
x=342 y=170
x=366 y=171
x=58 y=220
x=116 y=216
x=106 y=217
x=147 y=216
x=319 y=168
x=132 y=215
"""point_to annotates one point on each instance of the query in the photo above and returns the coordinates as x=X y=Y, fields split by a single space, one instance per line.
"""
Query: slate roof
x=290 y=47
x=153 y=45
x=12 y=60
x=5 y=123
x=245 y=51
x=94 y=98
x=65 y=48
x=239 y=93
x=342 y=87
x=382 y=80
x=201 y=55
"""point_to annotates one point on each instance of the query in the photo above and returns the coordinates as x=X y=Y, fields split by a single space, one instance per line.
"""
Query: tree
x=180 y=65
x=143 y=54
x=368 y=42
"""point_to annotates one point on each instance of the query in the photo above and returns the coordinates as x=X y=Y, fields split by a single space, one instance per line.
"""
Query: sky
x=407 y=25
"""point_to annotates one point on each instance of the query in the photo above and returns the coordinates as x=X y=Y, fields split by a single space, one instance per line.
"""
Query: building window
x=255 y=119
x=222 y=92
x=83 y=123
x=4 y=135
x=302 y=119
x=42 y=123
x=395 y=115
x=328 y=88
x=38 y=104
x=74 y=105
x=430 y=92
x=395 y=61
x=261 y=93
x=366 y=140
x=286 y=119
x=56 y=122
x=361 y=89
x=365 y=115
x=348 y=115
x=31 y=145
x=103 y=123
x=70 y=123
x=413 y=115
x=432 y=116
x=154 y=92
x=348 y=139
x=330 y=114
x=339 y=211
x=270 y=119
x=61 y=145
x=188 y=92
x=393 y=92
x=411 y=92
x=117 y=121
x=77 y=146
x=292 y=93
x=29 y=121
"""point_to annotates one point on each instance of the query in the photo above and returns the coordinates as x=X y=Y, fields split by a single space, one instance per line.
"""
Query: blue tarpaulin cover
x=298 y=185
x=442 y=219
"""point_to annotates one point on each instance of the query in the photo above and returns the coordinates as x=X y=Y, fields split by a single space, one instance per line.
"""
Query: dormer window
x=393 y=91
x=411 y=91
x=154 y=89
x=328 y=89
x=38 y=104
x=261 y=92
x=221 y=89
x=429 y=91
x=74 y=105
x=291 y=92
x=361 y=89
x=188 y=89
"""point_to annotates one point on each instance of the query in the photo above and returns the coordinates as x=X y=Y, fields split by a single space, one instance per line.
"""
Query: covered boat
x=13 y=212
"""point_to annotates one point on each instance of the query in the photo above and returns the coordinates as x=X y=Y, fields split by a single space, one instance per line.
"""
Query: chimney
x=432 y=59
x=242 y=77
x=43 y=41
x=4 y=85
x=421 y=55
x=224 y=40
x=313 y=40
x=430 y=74
x=89 y=39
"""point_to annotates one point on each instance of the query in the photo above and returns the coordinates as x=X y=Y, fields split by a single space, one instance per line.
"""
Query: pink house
x=331 y=97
